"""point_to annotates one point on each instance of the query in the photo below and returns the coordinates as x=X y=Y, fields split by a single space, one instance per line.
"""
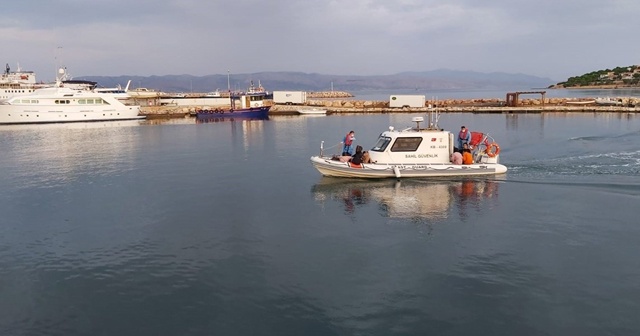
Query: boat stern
x=501 y=169
x=494 y=162
x=484 y=158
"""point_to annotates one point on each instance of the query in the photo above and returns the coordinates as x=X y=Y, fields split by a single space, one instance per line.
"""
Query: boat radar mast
x=433 y=120
x=434 y=116
x=62 y=75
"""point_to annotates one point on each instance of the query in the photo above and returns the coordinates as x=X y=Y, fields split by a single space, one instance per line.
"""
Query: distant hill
x=272 y=81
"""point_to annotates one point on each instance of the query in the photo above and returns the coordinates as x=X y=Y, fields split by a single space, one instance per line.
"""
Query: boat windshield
x=382 y=144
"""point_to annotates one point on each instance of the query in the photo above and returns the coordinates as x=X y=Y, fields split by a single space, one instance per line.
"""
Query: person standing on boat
x=348 y=143
x=463 y=138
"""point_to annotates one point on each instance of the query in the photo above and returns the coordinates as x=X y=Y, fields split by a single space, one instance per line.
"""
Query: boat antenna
x=434 y=114
x=57 y=60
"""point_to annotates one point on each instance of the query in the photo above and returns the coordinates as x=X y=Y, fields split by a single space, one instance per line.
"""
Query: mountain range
x=300 y=81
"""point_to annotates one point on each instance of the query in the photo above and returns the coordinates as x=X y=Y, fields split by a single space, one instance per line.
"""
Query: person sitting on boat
x=463 y=138
x=365 y=157
x=348 y=143
x=467 y=158
x=342 y=158
x=456 y=158
x=357 y=157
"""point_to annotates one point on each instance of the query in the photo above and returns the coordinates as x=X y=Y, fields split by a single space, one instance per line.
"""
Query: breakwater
x=311 y=94
x=337 y=106
x=329 y=94
x=287 y=110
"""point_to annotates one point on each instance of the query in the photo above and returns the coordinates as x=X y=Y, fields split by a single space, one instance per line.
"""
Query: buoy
x=396 y=170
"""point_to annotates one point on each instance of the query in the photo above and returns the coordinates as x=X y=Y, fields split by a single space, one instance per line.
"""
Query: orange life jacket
x=467 y=158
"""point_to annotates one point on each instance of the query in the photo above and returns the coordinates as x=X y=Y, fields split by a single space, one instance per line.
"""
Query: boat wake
x=604 y=138
x=622 y=187
x=604 y=171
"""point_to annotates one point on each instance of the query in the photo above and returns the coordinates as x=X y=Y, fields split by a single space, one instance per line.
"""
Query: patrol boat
x=416 y=152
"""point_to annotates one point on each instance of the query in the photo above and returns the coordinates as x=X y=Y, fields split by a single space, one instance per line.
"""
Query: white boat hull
x=312 y=111
x=328 y=167
x=53 y=114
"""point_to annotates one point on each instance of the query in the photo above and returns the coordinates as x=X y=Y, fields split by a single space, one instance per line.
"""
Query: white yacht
x=144 y=93
x=62 y=104
x=117 y=92
x=314 y=111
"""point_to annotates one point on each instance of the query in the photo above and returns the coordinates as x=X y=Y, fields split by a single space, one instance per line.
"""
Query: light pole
x=228 y=82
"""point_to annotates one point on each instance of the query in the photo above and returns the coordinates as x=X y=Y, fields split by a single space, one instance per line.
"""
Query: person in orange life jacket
x=357 y=157
x=467 y=158
x=348 y=143
x=463 y=137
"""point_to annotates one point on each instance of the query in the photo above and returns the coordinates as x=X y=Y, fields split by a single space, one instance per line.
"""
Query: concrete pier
x=341 y=107
x=284 y=110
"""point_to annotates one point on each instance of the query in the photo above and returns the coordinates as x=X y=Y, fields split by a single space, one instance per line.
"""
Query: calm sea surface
x=178 y=228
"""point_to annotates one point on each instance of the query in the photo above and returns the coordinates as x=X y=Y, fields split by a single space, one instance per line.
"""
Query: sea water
x=225 y=228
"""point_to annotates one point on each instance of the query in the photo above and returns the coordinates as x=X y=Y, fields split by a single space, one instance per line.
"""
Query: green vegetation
x=622 y=76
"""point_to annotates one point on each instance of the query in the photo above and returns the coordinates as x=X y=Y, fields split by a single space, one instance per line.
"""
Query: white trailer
x=289 y=97
x=407 y=101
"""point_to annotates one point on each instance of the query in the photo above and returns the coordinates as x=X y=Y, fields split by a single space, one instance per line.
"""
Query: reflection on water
x=411 y=199
x=54 y=154
x=248 y=127
x=71 y=126
x=169 y=121
x=226 y=119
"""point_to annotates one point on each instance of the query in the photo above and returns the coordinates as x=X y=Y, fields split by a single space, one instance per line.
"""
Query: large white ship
x=19 y=82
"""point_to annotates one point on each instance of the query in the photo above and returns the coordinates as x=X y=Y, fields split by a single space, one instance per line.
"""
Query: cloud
x=554 y=39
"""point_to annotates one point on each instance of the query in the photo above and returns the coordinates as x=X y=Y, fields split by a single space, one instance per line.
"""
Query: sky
x=553 y=39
